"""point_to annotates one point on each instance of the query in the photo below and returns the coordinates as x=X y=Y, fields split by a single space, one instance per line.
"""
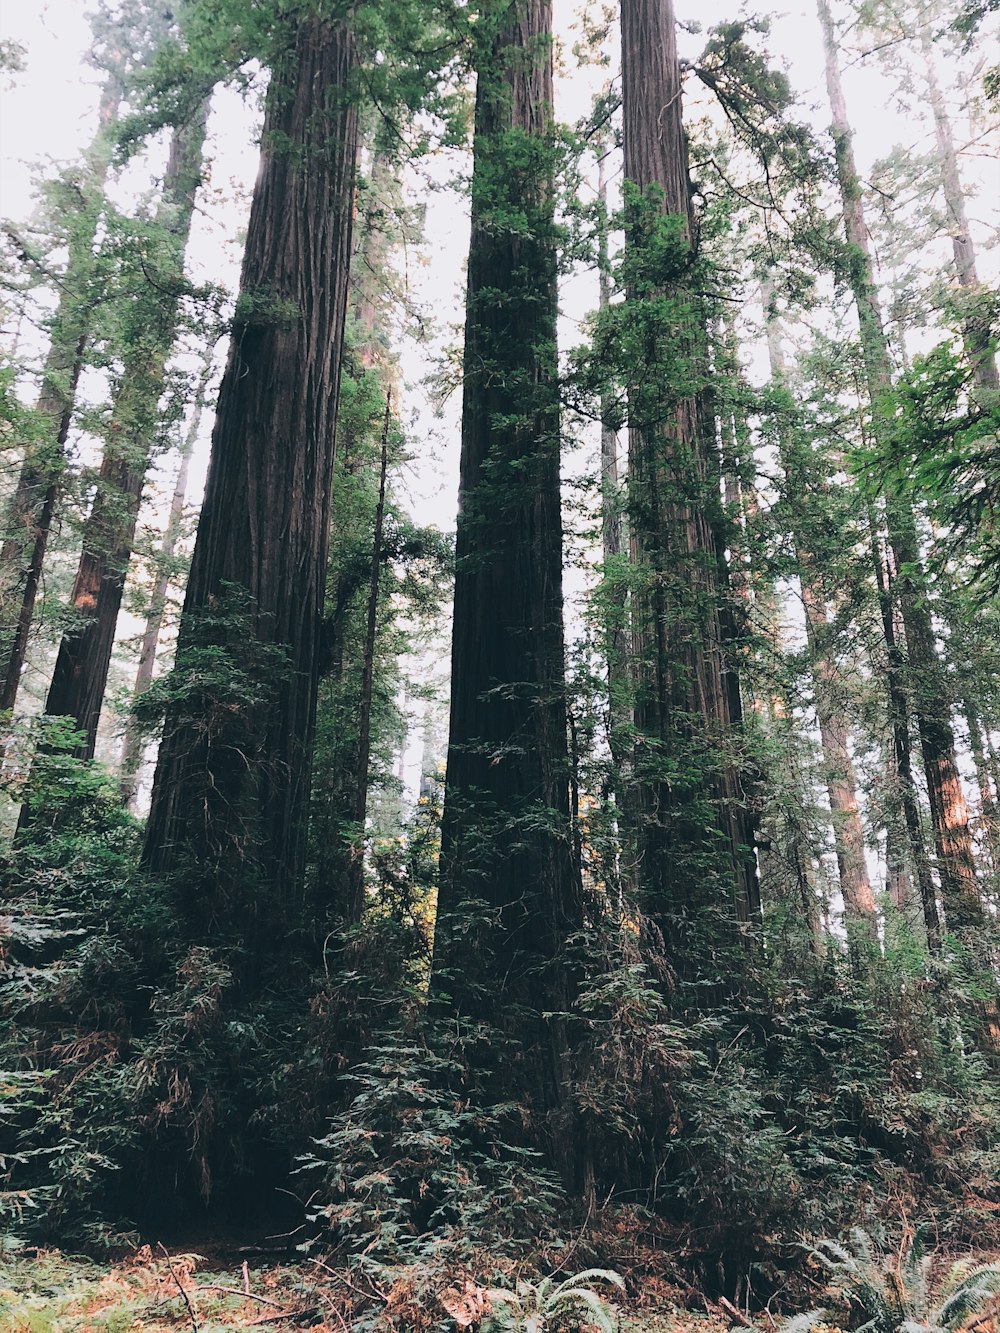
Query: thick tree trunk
x=926 y=677
x=230 y=795
x=508 y=897
x=35 y=500
x=81 y=670
x=132 y=744
x=699 y=888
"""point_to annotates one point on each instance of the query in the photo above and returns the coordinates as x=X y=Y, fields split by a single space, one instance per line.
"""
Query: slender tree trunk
x=132 y=745
x=230 y=795
x=988 y=813
x=35 y=500
x=81 y=670
x=932 y=706
x=356 y=871
x=840 y=778
x=687 y=715
x=509 y=898
x=977 y=333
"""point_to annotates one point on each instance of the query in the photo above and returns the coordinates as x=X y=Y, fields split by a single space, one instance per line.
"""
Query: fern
x=536 y=1307
x=892 y=1293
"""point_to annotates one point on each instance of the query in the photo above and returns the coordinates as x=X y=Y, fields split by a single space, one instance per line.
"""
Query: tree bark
x=230 y=794
x=687 y=714
x=35 y=500
x=356 y=870
x=509 y=898
x=84 y=659
x=132 y=744
x=932 y=706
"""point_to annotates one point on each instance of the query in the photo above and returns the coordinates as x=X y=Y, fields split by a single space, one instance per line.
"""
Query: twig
x=246 y=1277
x=180 y=1285
x=737 y=1315
x=273 y=1318
x=235 y=1291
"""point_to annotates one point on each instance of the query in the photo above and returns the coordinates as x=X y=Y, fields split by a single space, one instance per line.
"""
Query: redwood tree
x=508 y=896
x=692 y=833
x=230 y=793
x=904 y=576
x=81 y=670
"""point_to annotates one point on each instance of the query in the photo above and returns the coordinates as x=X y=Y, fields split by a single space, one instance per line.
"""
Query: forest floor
x=48 y=1292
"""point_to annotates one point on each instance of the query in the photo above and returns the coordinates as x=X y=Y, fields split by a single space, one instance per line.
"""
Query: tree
x=124 y=44
x=132 y=743
x=694 y=862
x=932 y=704
x=232 y=779
x=84 y=658
x=841 y=782
x=508 y=899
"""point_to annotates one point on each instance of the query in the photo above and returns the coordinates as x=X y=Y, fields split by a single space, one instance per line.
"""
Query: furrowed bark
x=693 y=866
x=230 y=794
x=508 y=897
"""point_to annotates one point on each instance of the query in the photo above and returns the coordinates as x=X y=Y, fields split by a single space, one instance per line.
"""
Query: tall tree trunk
x=81 y=670
x=840 y=778
x=613 y=607
x=695 y=885
x=33 y=505
x=356 y=871
x=230 y=794
x=508 y=898
x=926 y=677
x=977 y=334
x=132 y=744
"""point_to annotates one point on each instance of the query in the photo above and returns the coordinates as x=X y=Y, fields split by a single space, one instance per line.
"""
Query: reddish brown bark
x=230 y=794
x=35 y=500
x=81 y=670
x=925 y=675
x=688 y=711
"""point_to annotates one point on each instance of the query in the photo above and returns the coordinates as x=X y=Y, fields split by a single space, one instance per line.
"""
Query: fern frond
x=802 y=1323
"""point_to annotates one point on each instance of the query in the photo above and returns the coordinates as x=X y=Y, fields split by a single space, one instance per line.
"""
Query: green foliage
x=551 y=1304
x=892 y=1293
x=414 y=1170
